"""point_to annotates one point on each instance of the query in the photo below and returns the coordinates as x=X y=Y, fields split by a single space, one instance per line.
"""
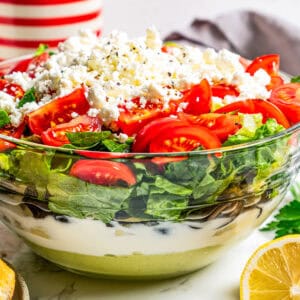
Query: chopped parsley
x=41 y=49
x=295 y=79
x=29 y=96
x=4 y=118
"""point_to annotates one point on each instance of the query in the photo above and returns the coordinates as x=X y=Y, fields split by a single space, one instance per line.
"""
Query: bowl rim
x=4 y=65
x=113 y=155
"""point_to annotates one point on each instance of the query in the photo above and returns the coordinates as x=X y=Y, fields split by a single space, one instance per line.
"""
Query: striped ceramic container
x=24 y=24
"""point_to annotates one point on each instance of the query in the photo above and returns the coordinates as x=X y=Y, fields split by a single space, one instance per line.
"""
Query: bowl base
x=131 y=267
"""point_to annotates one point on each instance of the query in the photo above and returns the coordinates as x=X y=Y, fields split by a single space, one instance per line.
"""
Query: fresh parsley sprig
x=287 y=220
x=29 y=96
x=100 y=141
x=295 y=79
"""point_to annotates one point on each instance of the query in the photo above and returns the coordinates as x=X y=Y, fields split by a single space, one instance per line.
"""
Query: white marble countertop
x=46 y=281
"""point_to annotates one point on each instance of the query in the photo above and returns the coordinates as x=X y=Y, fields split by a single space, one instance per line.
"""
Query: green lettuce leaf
x=74 y=197
x=253 y=129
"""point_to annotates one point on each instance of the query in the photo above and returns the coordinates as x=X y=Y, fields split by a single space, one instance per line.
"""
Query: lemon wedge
x=273 y=271
x=7 y=281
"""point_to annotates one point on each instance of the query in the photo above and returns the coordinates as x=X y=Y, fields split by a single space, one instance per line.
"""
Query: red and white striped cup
x=24 y=24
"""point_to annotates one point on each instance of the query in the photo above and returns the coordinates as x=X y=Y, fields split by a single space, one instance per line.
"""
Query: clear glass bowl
x=141 y=232
x=185 y=210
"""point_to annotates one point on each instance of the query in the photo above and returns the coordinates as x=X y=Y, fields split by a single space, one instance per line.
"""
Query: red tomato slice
x=222 y=90
x=15 y=132
x=287 y=98
x=56 y=136
x=198 y=98
x=254 y=106
x=269 y=63
x=275 y=82
x=222 y=125
x=185 y=138
x=103 y=172
x=130 y=122
x=58 y=111
x=10 y=88
x=30 y=64
x=151 y=130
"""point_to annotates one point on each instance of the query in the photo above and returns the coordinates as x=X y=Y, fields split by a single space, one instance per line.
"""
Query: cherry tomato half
x=222 y=90
x=56 y=136
x=103 y=172
x=185 y=138
x=287 y=98
x=222 y=125
x=58 y=111
x=198 y=98
x=30 y=64
x=275 y=82
x=254 y=106
x=11 y=88
x=151 y=130
x=15 y=132
x=131 y=121
x=269 y=63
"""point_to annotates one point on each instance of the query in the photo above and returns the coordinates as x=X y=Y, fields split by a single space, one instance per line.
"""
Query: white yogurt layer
x=93 y=237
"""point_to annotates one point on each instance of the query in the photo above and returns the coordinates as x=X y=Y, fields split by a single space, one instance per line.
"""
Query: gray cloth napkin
x=249 y=34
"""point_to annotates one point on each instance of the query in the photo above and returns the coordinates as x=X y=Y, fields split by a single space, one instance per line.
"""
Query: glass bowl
x=184 y=211
x=179 y=213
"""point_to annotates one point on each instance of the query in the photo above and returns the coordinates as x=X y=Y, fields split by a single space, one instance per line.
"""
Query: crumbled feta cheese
x=20 y=78
x=122 y=137
x=93 y=112
x=74 y=115
x=116 y=69
x=7 y=103
x=250 y=87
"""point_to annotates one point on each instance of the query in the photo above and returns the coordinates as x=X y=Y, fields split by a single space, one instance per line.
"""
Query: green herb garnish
x=101 y=141
x=295 y=79
x=41 y=49
x=4 y=118
x=29 y=96
x=287 y=220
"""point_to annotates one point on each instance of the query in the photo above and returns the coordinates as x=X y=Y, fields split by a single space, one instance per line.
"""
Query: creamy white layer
x=92 y=237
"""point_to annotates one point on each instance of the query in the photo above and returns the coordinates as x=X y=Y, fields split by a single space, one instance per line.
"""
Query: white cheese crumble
x=116 y=69
x=7 y=103
x=20 y=78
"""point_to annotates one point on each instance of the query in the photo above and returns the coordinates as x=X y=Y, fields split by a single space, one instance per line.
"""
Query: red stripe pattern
x=40 y=2
x=49 y=21
x=39 y=23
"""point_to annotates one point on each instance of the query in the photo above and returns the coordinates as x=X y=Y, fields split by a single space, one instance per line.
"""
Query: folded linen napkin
x=249 y=34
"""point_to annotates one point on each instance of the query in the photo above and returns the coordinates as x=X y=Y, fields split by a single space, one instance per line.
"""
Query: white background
x=133 y=16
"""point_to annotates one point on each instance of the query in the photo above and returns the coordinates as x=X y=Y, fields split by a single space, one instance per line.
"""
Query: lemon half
x=7 y=281
x=273 y=271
